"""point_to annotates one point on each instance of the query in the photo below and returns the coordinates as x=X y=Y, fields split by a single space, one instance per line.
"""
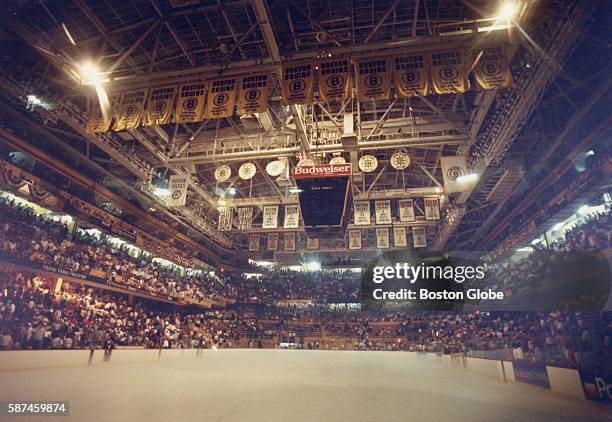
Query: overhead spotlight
x=507 y=10
x=438 y=189
x=161 y=192
x=232 y=191
x=295 y=190
x=90 y=73
x=467 y=178
x=590 y=152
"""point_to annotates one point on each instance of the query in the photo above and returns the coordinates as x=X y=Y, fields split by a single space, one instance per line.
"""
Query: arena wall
x=565 y=381
x=488 y=367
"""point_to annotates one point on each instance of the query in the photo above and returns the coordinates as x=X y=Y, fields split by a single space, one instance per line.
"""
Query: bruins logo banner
x=190 y=104
x=130 y=109
x=221 y=98
x=449 y=72
x=253 y=96
x=298 y=83
x=334 y=80
x=373 y=79
x=411 y=75
x=492 y=69
x=159 y=106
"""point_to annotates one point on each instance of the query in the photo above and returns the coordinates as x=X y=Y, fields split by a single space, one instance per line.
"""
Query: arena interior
x=195 y=196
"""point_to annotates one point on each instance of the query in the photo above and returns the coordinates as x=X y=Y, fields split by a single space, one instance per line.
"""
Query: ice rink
x=286 y=385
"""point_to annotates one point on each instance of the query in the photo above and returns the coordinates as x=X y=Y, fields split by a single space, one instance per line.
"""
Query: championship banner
x=382 y=238
x=298 y=83
x=362 y=213
x=406 y=211
x=221 y=98
x=178 y=190
x=272 y=241
x=289 y=241
x=97 y=122
x=159 y=106
x=292 y=217
x=492 y=70
x=270 y=217
x=399 y=237
x=312 y=243
x=454 y=167
x=449 y=72
x=334 y=80
x=354 y=239
x=254 y=242
x=411 y=75
x=253 y=95
x=190 y=103
x=245 y=218
x=130 y=109
x=383 y=212
x=225 y=219
x=419 y=237
x=373 y=79
x=432 y=208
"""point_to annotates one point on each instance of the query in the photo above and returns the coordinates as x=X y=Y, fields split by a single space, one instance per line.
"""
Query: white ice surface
x=286 y=385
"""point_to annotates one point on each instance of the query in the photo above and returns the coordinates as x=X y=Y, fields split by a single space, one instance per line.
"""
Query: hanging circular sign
x=400 y=160
x=222 y=173
x=337 y=160
x=368 y=163
x=246 y=171
x=275 y=168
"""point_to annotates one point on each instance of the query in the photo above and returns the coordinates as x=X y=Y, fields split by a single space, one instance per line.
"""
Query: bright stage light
x=467 y=178
x=161 y=192
x=232 y=191
x=508 y=10
x=90 y=73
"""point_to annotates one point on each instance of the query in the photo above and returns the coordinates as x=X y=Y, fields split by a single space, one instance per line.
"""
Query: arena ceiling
x=153 y=42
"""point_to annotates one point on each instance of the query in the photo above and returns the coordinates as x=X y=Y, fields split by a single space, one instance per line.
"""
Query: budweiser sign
x=324 y=170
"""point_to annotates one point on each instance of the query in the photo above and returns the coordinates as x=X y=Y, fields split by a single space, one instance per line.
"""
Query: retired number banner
x=245 y=218
x=411 y=75
x=383 y=212
x=221 y=98
x=298 y=83
x=272 y=241
x=382 y=238
x=254 y=242
x=406 y=210
x=270 y=217
x=492 y=70
x=362 y=213
x=292 y=217
x=159 y=106
x=253 y=96
x=191 y=102
x=225 y=219
x=449 y=72
x=373 y=79
x=354 y=239
x=399 y=237
x=334 y=80
x=432 y=208
x=419 y=237
x=130 y=109
x=289 y=241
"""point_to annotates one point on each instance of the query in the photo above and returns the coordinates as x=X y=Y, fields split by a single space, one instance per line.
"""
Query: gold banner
x=298 y=83
x=253 y=96
x=130 y=109
x=492 y=69
x=159 y=106
x=97 y=122
x=221 y=98
x=411 y=75
x=449 y=73
x=334 y=80
x=373 y=79
x=191 y=102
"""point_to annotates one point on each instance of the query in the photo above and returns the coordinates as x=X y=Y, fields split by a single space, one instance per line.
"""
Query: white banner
x=178 y=190
x=272 y=241
x=270 y=217
x=362 y=213
x=399 y=237
x=312 y=243
x=432 y=208
x=292 y=217
x=419 y=237
x=290 y=241
x=454 y=167
x=225 y=219
x=406 y=211
x=383 y=212
x=254 y=242
x=382 y=238
x=245 y=218
x=354 y=239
